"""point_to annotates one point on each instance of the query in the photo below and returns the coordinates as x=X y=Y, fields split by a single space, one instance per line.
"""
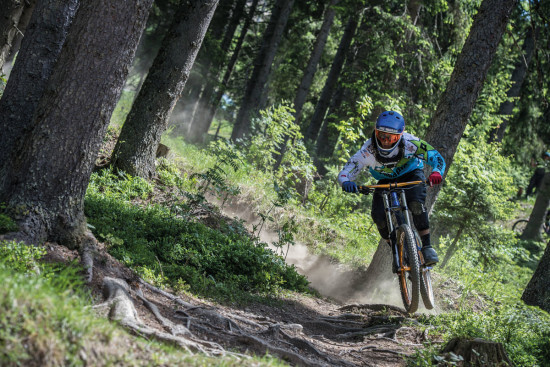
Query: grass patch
x=168 y=250
x=45 y=321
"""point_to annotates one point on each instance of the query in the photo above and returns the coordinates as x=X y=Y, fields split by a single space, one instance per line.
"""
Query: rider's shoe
x=430 y=256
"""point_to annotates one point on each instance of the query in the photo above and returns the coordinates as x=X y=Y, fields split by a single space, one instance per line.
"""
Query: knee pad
x=420 y=215
x=383 y=230
x=381 y=225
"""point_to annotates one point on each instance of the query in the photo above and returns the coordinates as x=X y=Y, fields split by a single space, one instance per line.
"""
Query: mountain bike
x=414 y=275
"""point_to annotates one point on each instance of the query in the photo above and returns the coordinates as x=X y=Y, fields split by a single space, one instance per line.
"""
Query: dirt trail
x=302 y=330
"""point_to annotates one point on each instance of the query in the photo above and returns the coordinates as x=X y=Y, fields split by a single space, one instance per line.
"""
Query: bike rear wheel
x=520 y=225
x=426 y=289
x=408 y=268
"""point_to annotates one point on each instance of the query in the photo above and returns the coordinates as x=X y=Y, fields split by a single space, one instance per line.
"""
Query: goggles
x=387 y=138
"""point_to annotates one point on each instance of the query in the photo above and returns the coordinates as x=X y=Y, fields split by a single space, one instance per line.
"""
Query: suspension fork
x=390 y=204
x=405 y=209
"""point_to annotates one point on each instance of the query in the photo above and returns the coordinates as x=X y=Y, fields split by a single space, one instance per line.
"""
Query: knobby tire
x=520 y=225
x=409 y=280
x=426 y=289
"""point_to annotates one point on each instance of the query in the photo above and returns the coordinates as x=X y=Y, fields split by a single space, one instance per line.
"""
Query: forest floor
x=300 y=329
x=330 y=330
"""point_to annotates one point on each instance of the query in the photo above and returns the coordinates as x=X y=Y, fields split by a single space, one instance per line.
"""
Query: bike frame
x=395 y=206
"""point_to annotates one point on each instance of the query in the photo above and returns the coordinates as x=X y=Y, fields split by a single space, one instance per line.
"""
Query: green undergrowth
x=165 y=247
x=45 y=320
x=330 y=222
x=490 y=307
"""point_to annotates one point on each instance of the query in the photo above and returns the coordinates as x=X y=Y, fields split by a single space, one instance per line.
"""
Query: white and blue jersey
x=411 y=154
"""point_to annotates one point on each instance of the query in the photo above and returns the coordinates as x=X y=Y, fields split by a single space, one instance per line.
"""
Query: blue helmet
x=389 y=128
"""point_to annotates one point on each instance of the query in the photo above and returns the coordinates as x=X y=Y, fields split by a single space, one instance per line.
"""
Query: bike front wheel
x=408 y=268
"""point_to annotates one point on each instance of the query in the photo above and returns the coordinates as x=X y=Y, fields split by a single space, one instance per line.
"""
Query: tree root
x=373 y=307
x=265 y=347
x=200 y=328
x=174 y=329
x=117 y=293
x=368 y=331
x=87 y=250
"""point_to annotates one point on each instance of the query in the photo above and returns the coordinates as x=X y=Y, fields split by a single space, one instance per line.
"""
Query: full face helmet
x=388 y=131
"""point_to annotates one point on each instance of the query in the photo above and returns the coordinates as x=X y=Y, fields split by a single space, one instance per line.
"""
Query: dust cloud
x=330 y=279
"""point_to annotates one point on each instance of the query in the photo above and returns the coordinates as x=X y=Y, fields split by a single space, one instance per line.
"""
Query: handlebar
x=367 y=189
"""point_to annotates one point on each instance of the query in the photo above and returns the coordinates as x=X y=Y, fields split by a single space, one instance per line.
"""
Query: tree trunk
x=309 y=73
x=478 y=352
x=537 y=292
x=456 y=103
x=536 y=219
x=262 y=67
x=328 y=136
x=50 y=176
x=518 y=76
x=11 y=12
x=196 y=129
x=322 y=105
x=204 y=126
x=22 y=25
x=39 y=52
x=311 y=68
x=201 y=70
x=452 y=249
x=140 y=136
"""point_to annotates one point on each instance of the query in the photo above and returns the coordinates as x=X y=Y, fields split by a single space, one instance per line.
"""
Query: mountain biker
x=393 y=155
x=536 y=178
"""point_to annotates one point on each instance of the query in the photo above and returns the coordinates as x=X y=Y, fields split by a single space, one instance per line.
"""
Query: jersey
x=414 y=152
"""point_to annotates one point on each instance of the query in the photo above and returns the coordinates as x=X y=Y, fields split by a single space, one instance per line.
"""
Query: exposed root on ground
x=209 y=330
x=304 y=333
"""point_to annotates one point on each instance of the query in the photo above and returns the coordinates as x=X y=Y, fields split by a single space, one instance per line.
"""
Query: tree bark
x=186 y=106
x=22 y=25
x=51 y=173
x=453 y=247
x=262 y=67
x=196 y=129
x=518 y=76
x=311 y=68
x=537 y=292
x=309 y=73
x=39 y=52
x=478 y=352
x=140 y=136
x=532 y=231
x=328 y=136
x=215 y=102
x=322 y=105
x=11 y=12
x=456 y=103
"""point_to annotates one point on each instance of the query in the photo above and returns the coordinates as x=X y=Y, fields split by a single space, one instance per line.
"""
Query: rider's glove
x=435 y=178
x=349 y=186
